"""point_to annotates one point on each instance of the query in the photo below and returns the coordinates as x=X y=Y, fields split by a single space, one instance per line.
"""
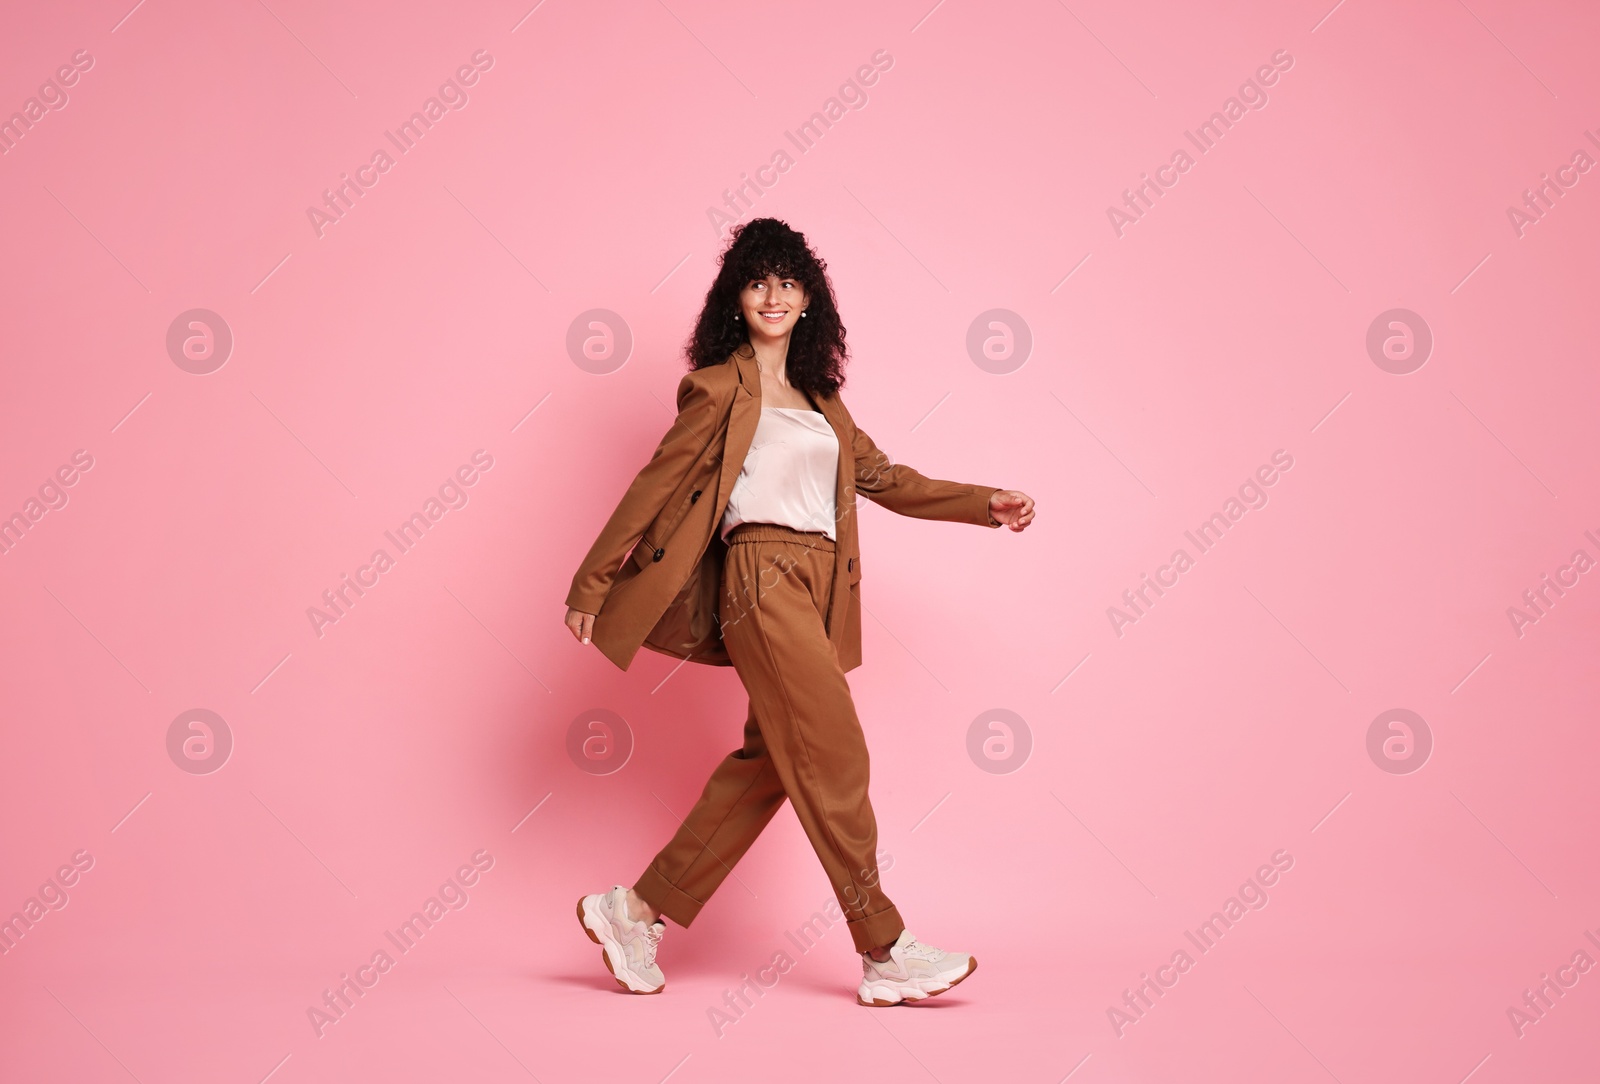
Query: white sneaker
x=913 y=972
x=627 y=945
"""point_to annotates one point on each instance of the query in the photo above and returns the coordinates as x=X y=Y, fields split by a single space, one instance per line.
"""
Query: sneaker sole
x=606 y=956
x=880 y=1003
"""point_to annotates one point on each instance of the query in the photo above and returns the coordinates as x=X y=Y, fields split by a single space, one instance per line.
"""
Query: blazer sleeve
x=677 y=452
x=903 y=490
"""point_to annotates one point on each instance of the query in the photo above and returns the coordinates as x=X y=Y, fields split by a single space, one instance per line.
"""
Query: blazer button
x=694 y=496
x=850 y=566
x=658 y=555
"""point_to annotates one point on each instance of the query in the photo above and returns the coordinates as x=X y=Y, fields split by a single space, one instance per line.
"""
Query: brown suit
x=665 y=597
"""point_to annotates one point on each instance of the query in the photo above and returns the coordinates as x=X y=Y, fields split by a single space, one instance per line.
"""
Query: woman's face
x=772 y=306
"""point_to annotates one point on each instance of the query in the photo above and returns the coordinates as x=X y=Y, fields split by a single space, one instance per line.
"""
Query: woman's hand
x=581 y=624
x=1011 y=507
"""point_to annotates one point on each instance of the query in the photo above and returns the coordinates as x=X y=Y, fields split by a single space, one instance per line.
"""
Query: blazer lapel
x=844 y=519
x=742 y=419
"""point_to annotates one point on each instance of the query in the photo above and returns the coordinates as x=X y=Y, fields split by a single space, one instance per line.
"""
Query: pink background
x=1230 y=722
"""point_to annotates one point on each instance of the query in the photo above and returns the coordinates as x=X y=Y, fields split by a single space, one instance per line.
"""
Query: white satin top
x=790 y=475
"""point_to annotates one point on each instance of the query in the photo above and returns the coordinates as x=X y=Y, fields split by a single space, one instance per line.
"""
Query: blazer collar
x=747 y=411
x=749 y=376
x=749 y=373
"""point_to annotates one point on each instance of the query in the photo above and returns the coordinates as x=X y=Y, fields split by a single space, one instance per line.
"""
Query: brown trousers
x=802 y=741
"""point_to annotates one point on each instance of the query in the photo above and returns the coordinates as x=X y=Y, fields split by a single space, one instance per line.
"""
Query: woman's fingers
x=581 y=624
x=1024 y=504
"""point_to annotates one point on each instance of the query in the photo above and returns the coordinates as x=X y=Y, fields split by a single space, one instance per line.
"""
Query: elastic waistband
x=776 y=532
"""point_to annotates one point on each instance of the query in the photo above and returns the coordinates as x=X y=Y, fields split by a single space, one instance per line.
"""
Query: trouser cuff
x=873 y=930
x=666 y=897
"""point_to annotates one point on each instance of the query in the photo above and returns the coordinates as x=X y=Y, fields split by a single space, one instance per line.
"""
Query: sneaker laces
x=652 y=938
x=916 y=948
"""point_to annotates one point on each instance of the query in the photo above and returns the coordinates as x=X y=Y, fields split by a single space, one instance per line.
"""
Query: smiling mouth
x=773 y=317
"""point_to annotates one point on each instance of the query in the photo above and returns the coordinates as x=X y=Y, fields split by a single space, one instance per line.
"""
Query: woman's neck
x=772 y=360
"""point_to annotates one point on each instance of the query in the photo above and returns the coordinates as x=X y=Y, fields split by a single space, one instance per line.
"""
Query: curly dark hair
x=762 y=247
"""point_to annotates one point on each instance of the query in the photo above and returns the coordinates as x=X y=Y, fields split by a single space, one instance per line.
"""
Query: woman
x=763 y=575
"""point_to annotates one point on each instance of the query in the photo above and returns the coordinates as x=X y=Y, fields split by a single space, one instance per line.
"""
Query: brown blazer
x=665 y=596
